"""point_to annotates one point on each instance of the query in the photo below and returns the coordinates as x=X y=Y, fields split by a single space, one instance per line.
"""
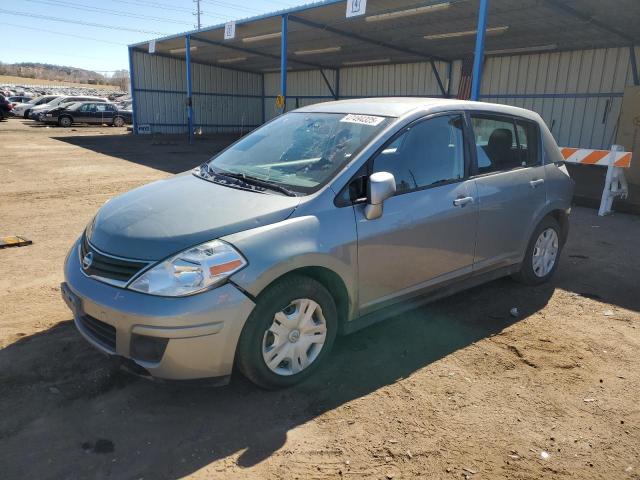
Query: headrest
x=501 y=138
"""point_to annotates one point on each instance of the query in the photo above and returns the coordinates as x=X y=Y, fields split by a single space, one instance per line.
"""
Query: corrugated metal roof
x=551 y=24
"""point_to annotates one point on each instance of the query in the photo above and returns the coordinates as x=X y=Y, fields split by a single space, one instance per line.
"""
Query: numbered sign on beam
x=356 y=7
x=152 y=46
x=230 y=30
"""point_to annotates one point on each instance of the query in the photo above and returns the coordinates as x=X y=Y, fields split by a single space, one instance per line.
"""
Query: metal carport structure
x=201 y=81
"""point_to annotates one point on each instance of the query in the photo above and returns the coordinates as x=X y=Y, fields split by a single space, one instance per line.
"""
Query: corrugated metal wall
x=578 y=93
x=305 y=88
x=223 y=100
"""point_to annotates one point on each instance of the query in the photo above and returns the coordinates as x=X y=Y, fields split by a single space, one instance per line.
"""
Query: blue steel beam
x=251 y=51
x=187 y=43
x=326 y=80
x=283 y=60
x=584 y=16
x=133 y=92
x=478 y=58
x=377 y=43
x=634 y=65
x=364 y=39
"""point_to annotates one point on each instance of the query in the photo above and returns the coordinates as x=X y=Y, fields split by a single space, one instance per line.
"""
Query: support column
x=187 y=44
x=264 y=100
x=283 y=60
x=132 y=86
x=478 y=58
x=634 y=65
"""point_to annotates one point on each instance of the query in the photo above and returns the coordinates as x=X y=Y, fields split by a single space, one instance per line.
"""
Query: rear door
x=104 y=113
x=509 y=177
x=426 y=234
x=83 y=113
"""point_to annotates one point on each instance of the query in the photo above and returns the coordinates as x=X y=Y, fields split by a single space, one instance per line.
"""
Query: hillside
x=13 y=80
x=58 y=74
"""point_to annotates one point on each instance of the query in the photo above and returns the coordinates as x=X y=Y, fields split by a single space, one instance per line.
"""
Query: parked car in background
x=39 y=111
x=15 y=100
x=323 y=221
x=97 y=113
x=23 y=109
x=5 y=107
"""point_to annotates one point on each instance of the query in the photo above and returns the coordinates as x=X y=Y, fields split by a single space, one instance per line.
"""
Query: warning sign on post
x=356 y=7
x=280 y=101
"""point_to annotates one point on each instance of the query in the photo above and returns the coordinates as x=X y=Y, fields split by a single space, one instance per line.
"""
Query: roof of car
x=399 y=106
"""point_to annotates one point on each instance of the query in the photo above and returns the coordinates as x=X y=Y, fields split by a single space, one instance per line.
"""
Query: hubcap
x=295 y=338
x=545 y=252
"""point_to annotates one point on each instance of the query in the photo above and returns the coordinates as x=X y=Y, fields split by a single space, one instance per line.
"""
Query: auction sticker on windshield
x=363 y=119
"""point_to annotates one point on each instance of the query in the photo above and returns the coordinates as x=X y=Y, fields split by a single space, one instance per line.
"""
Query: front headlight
x=196 y=269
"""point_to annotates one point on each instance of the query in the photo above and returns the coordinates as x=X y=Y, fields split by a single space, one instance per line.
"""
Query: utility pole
x=198 y=12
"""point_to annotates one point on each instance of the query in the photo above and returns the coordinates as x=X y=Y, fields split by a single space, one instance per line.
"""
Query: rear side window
x=427 y=154
x=504 y=143
x=529 y=141
x=496 y=143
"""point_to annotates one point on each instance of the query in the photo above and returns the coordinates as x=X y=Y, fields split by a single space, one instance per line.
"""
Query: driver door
x=426 y=234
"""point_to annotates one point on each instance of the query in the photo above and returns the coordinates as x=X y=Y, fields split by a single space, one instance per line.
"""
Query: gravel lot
x=456 y=389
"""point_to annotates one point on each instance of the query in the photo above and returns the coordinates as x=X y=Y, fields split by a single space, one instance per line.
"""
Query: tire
x=118 y=122
x=65 y=122
x=536 y=268
x=26 y=114
x=286 y=298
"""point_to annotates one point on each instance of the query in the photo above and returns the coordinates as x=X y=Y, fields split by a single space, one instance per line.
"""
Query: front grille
x=101 y=332
x=109 y=267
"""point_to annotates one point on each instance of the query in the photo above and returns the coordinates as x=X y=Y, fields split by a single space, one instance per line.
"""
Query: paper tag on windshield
x=363 y=119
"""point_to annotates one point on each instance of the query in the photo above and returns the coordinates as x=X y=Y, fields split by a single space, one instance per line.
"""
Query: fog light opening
x=148 y=349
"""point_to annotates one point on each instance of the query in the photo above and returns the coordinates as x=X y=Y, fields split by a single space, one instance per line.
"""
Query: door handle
x=462 y=201
x=536 y=183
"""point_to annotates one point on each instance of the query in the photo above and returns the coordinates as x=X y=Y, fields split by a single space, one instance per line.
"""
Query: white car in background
x=23 y=109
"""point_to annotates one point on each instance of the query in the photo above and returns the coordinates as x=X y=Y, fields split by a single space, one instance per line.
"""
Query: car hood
x=165 y=217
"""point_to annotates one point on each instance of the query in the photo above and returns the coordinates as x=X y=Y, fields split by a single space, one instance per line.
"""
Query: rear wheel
x=26 y=114
x=289 y=333
x=64 y=122
x=118 y=122
x=543 y=253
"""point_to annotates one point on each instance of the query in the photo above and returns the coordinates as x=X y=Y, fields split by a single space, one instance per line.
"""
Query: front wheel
x=289 y=333
x=542 y=255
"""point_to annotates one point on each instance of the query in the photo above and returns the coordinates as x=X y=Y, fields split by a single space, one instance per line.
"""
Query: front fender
x=327 y=239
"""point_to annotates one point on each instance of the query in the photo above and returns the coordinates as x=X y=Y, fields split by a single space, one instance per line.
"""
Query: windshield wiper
x=259 y=182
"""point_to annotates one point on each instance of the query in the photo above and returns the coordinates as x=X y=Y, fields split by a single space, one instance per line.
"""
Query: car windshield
x=299 y=151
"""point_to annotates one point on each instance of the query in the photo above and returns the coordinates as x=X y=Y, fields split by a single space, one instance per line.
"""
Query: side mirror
x=382 y=185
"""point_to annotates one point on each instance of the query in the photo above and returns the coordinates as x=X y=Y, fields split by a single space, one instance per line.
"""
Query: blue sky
x=30 y=33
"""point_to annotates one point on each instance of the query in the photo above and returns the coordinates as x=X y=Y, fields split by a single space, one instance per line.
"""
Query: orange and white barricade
x=616 y=160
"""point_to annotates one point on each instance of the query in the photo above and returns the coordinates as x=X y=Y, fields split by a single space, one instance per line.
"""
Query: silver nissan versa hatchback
x=323 y=221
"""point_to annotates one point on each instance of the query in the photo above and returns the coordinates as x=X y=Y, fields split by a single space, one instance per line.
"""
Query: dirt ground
x=457 y=389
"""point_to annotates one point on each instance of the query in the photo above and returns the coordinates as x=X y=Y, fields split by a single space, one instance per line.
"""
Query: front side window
x=299 y=151
x=428 y=154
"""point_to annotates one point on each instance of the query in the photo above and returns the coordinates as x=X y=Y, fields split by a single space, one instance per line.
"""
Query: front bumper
x=202 y=329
